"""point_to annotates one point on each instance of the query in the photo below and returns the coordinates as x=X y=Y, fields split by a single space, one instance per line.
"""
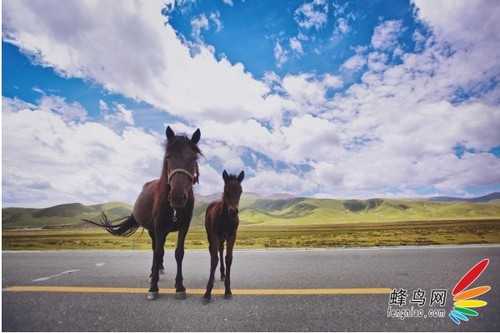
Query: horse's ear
x=196 y=136
x=241 y=176
x=170 y=133
x=225 y=175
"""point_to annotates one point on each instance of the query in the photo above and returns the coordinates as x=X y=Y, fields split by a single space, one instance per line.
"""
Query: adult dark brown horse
x=221 y=224
x=165 y=205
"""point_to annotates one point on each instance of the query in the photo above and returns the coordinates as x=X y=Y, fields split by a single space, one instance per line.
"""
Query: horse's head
x=232 y=191
x=181 y=166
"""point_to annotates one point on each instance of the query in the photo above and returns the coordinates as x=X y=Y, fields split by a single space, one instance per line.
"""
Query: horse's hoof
x=205 y=300
x=180 y=295
x=228 y=296
x=152 y=295
x=162 y=271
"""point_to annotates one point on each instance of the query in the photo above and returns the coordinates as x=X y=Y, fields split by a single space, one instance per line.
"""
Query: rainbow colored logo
x=463 y=300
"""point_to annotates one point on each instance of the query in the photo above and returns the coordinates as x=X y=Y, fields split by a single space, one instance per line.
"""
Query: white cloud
x=49 y=160
x=312 y=14
x=269 y=181
x=280 y=54
x=69 y=111
x=354 y=63
x=377 y=61
x=215 y=17
x=342 y=25
x=386 y=34
x=228 y=2
x=198 y=24
x=119 y=117
x=296 y=45
x=163 y=73
x=306 y=89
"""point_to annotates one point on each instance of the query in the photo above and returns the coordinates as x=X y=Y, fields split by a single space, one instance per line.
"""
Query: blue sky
x=317 y=98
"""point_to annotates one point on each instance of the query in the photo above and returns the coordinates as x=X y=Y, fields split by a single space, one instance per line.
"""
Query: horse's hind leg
x=221 y=257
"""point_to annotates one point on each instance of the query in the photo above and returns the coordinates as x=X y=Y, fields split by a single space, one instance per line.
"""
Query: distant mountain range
x=281 y=209
x=484 y=198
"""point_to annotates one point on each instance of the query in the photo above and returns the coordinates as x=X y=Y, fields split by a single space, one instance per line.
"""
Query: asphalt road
x=255 y=272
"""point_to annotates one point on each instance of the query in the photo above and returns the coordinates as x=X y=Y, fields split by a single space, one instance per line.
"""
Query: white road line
x=45 y=278
x=99 y=264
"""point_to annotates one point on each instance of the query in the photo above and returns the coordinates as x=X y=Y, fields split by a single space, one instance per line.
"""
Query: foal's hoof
x=228 y=295
x=152 y=295
x=206 y=299
x=180 y=295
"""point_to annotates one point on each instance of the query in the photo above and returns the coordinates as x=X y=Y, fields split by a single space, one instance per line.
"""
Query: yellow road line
x=249 y=292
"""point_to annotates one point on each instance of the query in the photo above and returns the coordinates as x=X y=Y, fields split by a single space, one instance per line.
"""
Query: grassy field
x=265 y=222
x=466 y=231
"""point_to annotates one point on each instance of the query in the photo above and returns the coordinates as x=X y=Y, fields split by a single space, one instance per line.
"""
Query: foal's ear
x=170 y=133
x=225 y=175
x=196 y=136
x=241 y=176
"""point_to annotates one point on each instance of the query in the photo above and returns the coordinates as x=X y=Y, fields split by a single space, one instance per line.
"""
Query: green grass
x=274 y=236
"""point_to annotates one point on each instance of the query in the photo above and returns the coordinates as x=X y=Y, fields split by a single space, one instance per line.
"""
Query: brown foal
x=221 y=223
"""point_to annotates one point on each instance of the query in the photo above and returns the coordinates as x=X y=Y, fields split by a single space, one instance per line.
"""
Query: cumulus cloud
x=49 y=159
x=164 y=74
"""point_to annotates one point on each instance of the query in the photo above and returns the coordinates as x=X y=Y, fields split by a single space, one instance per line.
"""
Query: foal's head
x=180 y=166
x=232 y=191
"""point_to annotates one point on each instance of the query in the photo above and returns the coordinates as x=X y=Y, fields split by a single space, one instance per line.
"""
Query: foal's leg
x=180 y=290
x=221 y=256
x=160 y=236
x=214 y=260
x=229 y=260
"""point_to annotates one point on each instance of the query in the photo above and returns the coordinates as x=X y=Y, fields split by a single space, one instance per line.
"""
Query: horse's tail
x=126 y=228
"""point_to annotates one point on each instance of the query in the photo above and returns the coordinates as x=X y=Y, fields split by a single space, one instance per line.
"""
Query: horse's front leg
x=180 y=290
x=152 y=236
x=221 y=256
x=214 y=260
x=229 y=260
x=160 y=236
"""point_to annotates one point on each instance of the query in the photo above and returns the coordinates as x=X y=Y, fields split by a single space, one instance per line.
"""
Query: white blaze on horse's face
x=181 y=157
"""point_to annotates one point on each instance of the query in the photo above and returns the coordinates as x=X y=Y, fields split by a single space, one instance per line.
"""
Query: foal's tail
x=126 y=228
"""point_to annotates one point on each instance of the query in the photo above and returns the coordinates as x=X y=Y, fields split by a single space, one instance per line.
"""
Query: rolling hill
x=285 y=210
